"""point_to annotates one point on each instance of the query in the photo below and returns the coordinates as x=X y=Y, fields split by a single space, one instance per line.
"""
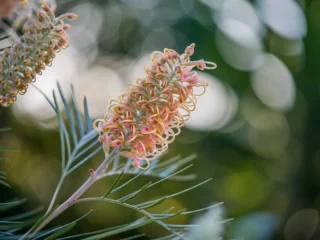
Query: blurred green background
x=256 y=131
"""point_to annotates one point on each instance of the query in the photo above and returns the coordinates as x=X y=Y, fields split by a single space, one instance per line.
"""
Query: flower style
x=148 y=115
x=35 y=50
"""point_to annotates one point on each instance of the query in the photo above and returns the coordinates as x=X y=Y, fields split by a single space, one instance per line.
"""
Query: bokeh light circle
x=274 y=84
x=239 y=45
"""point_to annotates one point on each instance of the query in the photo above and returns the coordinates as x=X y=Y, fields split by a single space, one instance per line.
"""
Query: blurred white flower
x=209 y=226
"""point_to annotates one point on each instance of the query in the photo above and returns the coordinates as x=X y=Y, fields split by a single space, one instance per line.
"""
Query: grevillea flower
x=36 y=49
x=148 y=115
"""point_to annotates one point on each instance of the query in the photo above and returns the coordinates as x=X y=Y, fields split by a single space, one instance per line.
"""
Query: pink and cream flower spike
x=32 y=53
x=148 y=115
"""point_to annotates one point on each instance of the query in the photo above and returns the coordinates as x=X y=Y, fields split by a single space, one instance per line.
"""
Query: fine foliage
x=138 y=126
x=79 y=143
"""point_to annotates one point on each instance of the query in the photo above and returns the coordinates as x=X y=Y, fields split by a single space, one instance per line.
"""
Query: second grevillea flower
x=148 y=115
x=36 y=49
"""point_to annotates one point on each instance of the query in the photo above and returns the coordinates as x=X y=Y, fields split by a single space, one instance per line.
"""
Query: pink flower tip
x=190 y=49
x=201 y=64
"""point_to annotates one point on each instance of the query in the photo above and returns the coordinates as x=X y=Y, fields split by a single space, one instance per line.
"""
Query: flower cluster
x=148 y=115
x=36 y=49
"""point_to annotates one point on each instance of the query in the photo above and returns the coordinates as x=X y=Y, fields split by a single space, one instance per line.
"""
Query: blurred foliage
x=256 y=131
x=12 y=220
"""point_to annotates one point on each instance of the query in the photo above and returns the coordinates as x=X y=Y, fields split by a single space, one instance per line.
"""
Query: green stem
x=55 y=195
x=75 y=196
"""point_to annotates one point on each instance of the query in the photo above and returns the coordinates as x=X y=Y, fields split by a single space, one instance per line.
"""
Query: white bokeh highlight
x=100 y=85
x=284 y=17
x=239 y=45
x=239 y=10
x=273 y=84
x=216 y=108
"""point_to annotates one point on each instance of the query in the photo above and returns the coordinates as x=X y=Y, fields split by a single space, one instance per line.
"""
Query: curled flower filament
x=149 y=114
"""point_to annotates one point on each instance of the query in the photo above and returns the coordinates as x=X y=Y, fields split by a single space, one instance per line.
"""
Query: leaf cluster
x=79 y=143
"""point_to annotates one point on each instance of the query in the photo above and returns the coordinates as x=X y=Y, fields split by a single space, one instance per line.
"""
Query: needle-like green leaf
x=114 y=184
